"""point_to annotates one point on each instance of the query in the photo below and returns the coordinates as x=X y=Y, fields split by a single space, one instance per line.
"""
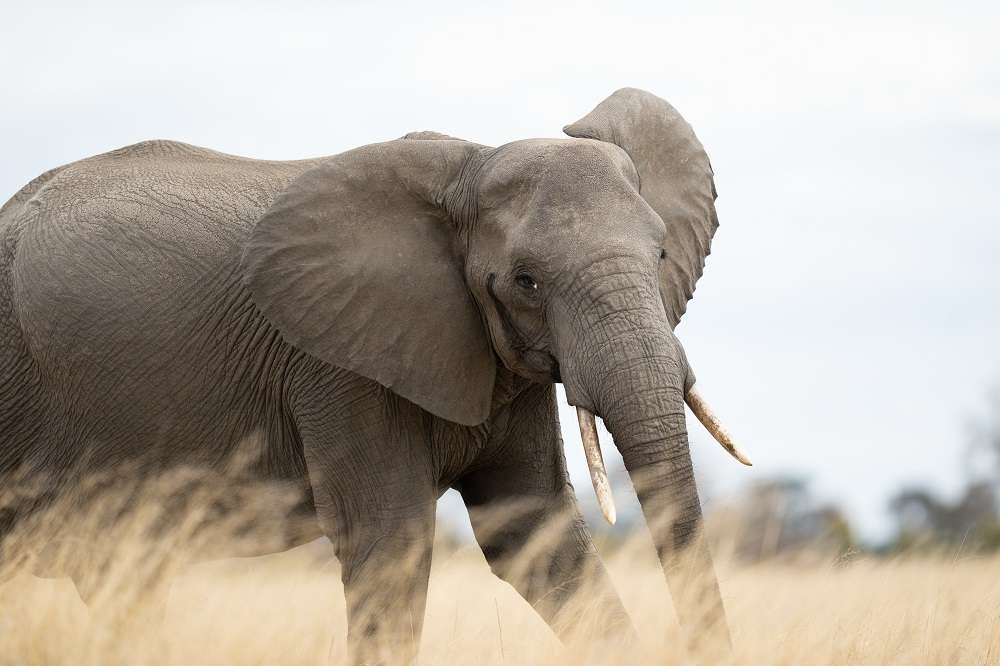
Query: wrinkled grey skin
x=382 y=325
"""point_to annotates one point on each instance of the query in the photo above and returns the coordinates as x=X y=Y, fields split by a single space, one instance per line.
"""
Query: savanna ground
x=289 y=609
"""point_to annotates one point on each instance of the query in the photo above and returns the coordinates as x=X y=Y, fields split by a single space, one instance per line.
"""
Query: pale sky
x=847 y=324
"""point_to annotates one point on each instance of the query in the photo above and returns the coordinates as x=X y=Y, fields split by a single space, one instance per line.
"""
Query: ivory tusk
x=595 y=461
x=711 y=422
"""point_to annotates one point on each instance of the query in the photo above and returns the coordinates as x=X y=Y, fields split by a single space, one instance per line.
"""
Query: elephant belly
x=207 y=499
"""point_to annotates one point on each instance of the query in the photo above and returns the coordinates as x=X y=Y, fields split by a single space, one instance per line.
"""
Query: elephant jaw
x=595 y=460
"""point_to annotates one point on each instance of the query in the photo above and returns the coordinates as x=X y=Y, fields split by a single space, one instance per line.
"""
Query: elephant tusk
x=711 y=422
x=595 y=461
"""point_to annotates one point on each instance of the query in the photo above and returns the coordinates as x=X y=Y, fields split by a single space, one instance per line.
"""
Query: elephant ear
x=354 y=264
x=675 y=177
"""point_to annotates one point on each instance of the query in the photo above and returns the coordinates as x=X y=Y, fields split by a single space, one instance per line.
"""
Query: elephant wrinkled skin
x=383 y=325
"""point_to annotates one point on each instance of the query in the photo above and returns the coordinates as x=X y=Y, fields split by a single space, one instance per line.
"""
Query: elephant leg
x=546 y=553
x=369 y=465
x=526 y=519
x=385 y=585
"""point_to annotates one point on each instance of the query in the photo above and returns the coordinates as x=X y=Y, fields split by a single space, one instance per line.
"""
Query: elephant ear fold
x=675 y=177
x=354 y=264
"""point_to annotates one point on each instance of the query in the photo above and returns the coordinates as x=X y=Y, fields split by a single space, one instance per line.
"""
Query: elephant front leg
x=385 y=584
x=375 y=497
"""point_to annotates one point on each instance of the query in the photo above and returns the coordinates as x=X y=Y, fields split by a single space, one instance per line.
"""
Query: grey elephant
x=383 y=325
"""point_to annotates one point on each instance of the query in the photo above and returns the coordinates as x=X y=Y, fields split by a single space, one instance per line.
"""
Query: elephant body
x=366 y=331
x=140 y=249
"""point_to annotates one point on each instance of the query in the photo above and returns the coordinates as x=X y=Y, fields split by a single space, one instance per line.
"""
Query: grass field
x=289 y=609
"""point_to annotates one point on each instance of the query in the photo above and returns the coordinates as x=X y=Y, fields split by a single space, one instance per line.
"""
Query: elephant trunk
x=635 y=376
x=595 y=459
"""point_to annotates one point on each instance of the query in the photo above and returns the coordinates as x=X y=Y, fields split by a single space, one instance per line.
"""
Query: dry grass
x=289 y=609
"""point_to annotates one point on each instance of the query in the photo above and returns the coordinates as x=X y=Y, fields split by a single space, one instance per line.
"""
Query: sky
x=847 y=324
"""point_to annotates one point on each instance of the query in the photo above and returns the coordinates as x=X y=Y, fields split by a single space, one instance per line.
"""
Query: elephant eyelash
x=525 y=281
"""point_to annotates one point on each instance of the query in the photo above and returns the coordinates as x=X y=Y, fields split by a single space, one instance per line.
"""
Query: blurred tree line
x=781 y=518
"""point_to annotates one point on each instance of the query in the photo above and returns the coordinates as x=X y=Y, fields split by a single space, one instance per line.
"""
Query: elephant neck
x=478 y=443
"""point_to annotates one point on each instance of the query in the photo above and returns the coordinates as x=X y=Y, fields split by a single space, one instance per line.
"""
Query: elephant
x=381 y=325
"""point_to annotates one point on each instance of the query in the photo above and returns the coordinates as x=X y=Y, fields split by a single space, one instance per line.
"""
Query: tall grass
x=289 y=608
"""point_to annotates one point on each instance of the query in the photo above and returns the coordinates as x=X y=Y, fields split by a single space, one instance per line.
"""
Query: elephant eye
x=663 y=254
x=525 y=281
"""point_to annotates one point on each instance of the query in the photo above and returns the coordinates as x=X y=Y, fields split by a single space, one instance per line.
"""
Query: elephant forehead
x=556 y=170
x=554 y=186
x=540 y=190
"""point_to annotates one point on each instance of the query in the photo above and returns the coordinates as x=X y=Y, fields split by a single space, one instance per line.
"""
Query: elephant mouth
x=554 y=370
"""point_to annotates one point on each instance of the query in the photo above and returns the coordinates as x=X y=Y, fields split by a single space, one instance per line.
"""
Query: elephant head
x=424 y=262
